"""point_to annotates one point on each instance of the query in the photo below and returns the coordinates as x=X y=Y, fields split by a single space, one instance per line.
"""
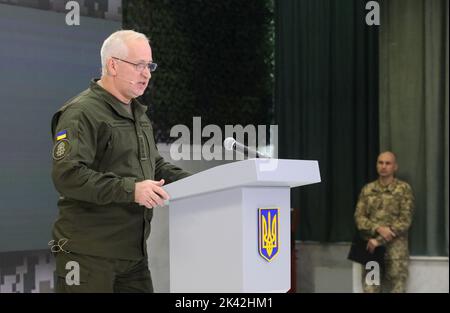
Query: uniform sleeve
x=75 y=137
x=381 y=240
x=403 y=222
x=167 y=171
x=363 y=223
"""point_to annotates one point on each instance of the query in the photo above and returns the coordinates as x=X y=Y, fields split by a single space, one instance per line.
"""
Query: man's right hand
x=372 y=244
x=150 y=194
x=386 y=233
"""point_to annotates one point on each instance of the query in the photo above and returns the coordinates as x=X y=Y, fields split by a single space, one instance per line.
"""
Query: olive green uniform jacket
x=100 y=151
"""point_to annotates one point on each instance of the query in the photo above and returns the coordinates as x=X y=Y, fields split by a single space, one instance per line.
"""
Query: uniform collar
x=117 y=105
x=389 y=187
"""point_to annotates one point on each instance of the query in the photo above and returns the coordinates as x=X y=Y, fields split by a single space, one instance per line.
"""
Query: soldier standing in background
x=383 y=216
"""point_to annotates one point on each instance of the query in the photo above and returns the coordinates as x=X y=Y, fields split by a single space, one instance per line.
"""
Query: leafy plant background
x=215 y=60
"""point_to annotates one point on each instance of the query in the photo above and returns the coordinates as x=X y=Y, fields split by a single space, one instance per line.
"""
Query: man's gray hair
x=116 y=46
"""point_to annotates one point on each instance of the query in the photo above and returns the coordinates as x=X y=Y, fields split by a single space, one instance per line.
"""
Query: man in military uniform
x=109 y=174
x=383 y=216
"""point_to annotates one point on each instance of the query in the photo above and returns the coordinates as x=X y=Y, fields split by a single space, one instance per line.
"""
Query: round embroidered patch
x=60 y=149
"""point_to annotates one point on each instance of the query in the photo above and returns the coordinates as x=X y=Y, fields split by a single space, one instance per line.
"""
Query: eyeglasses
x=141 y=66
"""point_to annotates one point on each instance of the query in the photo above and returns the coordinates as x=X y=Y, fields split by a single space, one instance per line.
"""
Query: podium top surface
x=247 y=173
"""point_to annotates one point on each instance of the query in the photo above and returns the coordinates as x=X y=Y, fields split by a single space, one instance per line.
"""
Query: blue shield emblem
x=268 y=222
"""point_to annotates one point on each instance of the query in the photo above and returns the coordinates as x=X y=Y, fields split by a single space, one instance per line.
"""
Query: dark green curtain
x=326 y=104
x=414 y=111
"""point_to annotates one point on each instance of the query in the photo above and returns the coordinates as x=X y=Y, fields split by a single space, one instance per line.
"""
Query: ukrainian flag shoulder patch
x=61 y=135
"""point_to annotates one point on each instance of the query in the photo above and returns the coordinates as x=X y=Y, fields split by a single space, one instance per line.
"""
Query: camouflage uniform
x=390 y=206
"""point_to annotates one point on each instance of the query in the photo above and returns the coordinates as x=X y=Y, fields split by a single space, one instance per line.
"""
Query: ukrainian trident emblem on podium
x=268 y=222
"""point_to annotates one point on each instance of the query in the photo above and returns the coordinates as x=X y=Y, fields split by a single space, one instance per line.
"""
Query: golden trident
x=269 y=230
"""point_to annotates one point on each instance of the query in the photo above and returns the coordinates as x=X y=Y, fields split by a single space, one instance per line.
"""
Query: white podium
x=220 y=240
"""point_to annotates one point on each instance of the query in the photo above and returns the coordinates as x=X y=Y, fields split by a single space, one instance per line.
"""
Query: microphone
x=230 y=144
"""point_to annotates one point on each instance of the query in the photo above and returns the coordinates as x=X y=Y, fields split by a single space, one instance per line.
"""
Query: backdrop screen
x=43 y=63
